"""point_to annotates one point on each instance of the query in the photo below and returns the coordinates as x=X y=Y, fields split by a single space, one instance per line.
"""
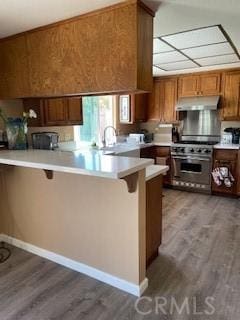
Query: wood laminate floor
x=200 y=258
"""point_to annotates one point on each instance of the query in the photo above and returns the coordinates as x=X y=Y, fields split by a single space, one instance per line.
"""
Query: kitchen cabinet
x=162 y=156
x=14 y=82
x=55 y=111
x=205 y=84
x=153 y=217
x=231 y=99
x=138 y=108
x=105 y=51
x=148 y=152
x=226 y=158
x=163 y=100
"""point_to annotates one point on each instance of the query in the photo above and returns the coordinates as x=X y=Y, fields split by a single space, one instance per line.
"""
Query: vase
x=16 y=134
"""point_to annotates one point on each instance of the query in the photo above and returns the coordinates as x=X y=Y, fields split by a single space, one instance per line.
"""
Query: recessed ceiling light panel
x=207 y=46
x=230 y=58
x=194 y=38
x=181 y=65
x=160 y=46
x=209 y=50
x=168 y=57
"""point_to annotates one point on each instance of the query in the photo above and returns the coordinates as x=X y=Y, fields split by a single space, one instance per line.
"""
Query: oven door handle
x=190 y=158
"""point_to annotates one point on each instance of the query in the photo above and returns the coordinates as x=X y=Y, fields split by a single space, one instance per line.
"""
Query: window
x=98 y=112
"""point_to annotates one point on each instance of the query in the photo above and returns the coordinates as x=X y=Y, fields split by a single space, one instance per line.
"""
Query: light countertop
x=155 y=170
x=118 y=148
x=85 y=162
x=226 y=146
x=162 y=144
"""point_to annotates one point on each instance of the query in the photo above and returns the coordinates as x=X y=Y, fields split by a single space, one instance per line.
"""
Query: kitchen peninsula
x=89 y=215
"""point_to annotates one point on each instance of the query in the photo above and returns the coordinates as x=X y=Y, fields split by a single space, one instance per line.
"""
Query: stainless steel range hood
x=197 y=103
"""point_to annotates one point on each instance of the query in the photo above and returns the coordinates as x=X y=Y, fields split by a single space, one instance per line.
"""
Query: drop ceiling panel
x=195 y=38
x=230 y=58
x=208 y=51
x=156 y=70
x=166 y=57
x=181 y=65
x=160 y=46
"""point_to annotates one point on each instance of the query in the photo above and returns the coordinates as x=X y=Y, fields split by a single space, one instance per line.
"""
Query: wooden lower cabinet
x=226 y=158
x=159 y=154
x=55 y=111
x=163 y=157
x=153 y=218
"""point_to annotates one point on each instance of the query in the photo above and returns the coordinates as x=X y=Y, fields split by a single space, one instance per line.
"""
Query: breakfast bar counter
x=83 y=216
x=86 y=162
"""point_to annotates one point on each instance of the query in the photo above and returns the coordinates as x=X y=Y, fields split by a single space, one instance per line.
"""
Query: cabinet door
x=164 y=152
x=38 y=106
x=140 y=102
x=168 y=98
x=209 y=84
x=14 y=81
x=149 y=152
x=226 y=158
x=55 y=111
x=153 y=103
x=153 y=218
x=231 y=101
x=163 y=101
x=74 y=111
x=188 y=86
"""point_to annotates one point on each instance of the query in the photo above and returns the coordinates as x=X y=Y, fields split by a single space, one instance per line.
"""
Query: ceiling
x=175 y=16
x=172 y=16
x=21 y=15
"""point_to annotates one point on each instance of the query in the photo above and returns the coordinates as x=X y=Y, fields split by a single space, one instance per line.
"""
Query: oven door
x=192 y=169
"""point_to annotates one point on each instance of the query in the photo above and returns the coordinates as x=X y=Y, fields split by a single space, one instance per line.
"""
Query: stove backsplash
x=201 y=123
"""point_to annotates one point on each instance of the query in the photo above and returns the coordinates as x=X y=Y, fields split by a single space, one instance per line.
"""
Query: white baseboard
x=136 y=290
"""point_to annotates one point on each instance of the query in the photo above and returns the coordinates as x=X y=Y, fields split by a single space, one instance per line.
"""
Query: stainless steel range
x=192 y=165
x=192 y=157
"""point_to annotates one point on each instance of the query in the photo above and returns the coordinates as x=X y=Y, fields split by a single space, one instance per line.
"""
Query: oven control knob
x=199 y=150
x=192 y=150
x=175 y=149
x=207 y=151
x=182 y=150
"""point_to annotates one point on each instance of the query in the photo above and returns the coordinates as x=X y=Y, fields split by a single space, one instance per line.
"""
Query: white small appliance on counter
x=138 y=138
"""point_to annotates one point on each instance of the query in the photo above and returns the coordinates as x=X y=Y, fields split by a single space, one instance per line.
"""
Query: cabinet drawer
x=224 y=154
x=162 y=151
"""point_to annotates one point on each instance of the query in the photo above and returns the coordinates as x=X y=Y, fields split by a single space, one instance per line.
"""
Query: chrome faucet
x=104 y=134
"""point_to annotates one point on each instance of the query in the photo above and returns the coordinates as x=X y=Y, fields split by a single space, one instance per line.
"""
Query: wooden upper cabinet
x=13 y=68
x=163 y=101
x=210 y=84
x=153 y=103
x=139 y=104
x=55 y=111
x=205 y=84
x=107 y=51
x=231 y=99
x=168 y=103
x=74 y=110
x=188 y=86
